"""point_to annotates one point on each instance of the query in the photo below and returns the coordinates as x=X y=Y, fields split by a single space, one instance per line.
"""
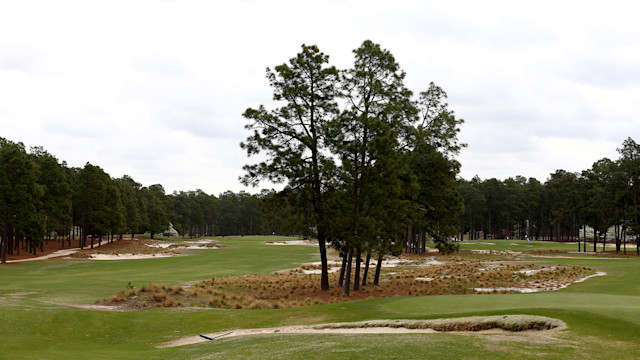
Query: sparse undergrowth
x=455 y=275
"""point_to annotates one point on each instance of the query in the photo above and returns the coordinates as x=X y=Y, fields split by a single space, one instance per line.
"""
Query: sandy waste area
x=292 y=242
x=547 y=286
x=490 y=324
x=334 y=266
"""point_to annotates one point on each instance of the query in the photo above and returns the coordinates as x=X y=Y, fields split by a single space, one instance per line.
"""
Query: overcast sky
x=156 y=89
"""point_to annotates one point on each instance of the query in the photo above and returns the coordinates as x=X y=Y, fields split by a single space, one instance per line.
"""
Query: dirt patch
x=477 y=324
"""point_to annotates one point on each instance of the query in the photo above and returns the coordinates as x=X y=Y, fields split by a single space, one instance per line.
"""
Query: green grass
x=518 y=245
x=603 y=313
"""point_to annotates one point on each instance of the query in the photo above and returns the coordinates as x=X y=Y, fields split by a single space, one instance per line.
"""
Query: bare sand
x=334 y=266
x=292 y=242
x=488 y=324
x=547 y=286
x=202 y=244
x=128 y=256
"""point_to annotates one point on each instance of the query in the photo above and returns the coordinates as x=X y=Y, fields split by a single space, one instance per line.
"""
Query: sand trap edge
x=471 y=325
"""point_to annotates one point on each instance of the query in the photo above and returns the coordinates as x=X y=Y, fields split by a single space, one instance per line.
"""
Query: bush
x=446 y=247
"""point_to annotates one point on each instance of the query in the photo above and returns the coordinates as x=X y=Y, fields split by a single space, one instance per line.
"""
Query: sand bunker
x=164 y=249
x=100 y=308
x=547 y=286
x=127 y=256
x=476 y=324
x=496 y=252
x=334 y=266
x=292 y=242
x=204 y=244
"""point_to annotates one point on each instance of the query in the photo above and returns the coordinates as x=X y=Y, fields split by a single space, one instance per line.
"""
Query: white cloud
x=156 y=89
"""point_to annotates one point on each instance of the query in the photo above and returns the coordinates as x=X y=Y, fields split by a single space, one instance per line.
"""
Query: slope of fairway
x=602 y=314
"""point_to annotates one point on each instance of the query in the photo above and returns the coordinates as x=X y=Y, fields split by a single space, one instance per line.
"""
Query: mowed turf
x=602 y=314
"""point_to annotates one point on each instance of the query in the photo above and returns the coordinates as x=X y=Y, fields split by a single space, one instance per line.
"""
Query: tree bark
x=347 y=280
x=366 y=268
x=342 y=270
x=3 y=241
x=376 y=278
x=356 y=278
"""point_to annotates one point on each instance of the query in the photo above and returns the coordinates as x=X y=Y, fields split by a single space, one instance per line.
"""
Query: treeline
x=601 y=198
x=369 y=167
x=42 y=199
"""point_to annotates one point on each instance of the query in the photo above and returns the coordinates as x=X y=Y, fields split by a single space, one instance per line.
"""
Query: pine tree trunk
x=376 y=278
x=347 y=280
x=3 y=242
x=342 y=270
x=356 y=278
x=366 y=268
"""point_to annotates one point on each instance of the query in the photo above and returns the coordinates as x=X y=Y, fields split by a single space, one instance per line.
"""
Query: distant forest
x=42 y=199
x=603 y=198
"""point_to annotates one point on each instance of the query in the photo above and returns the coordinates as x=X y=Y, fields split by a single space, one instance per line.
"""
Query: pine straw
x=456 y=275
